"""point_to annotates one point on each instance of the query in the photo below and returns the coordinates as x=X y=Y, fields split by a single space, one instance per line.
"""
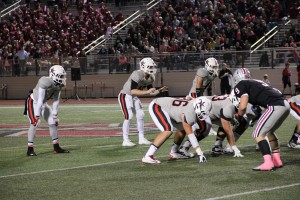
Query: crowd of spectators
x=174 y=26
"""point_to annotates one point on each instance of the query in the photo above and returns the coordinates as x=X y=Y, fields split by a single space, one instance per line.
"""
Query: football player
x=167 y=113
x=276 y=111
x=204 y=78
x=295 y=112
x=36 y=106
x=138 y=84
x=203 y=81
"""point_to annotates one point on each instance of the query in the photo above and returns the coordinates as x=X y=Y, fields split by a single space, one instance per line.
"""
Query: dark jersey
x=259 y=93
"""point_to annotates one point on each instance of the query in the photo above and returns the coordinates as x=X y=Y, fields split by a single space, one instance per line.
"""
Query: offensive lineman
x=138 y=84
x=167 y=113
x=276 y=111
x=36 y=106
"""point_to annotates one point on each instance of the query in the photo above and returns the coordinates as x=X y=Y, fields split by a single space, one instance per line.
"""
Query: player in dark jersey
x=276 y=111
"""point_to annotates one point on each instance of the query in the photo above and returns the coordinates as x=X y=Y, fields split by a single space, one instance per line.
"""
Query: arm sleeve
x=40 y=102
x=55 y=103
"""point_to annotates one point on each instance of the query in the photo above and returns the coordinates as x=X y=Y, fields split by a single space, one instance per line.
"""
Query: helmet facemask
x=212 y=66
x=148 y=66
x=58 y=75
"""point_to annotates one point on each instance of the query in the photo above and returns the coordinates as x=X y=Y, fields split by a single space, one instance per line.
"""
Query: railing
x=9 y=9
x=166 y=62
x=102 y=39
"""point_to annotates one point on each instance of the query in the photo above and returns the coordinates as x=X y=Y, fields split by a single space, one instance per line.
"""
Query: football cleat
x=217 y=150
x=60 y=150
x=212 y=132
x=185 y=151
x=150 y=160
x=30 y=152
x=127 y=143
x=264 y=167
x=176 y=155
x=144 y=141
x=293 y=145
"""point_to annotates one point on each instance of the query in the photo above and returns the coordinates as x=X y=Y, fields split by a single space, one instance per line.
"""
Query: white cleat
x=127 y=143
x=150 y=160
x=186 y=152
x=293 y=145
x=176 y=155
x=212 y=132
x=145 y=141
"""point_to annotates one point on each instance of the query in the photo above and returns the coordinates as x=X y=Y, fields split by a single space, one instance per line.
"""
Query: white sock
x=187 y=144
x=125 y=129
x=31 y=134
x=151 y=151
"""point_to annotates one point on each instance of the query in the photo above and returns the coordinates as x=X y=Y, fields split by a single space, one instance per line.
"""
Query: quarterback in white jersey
x=140 y=83
x=295 y=112
x=167 y=113
x=204 y=78
x=36 y=106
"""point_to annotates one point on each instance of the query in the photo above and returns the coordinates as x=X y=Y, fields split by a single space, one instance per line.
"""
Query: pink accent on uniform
x=268 y=163
x=276 y=160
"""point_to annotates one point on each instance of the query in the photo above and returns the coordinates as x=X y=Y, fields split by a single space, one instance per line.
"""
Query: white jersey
x=295 y=106
x=223 y=108
x=207 y=79
x=176 y=107
x=48 y=84
x=138 y=77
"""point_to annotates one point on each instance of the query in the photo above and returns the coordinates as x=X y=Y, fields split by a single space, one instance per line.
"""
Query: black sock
x=264 y=147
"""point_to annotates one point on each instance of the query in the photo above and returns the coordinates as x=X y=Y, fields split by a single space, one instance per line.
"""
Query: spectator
x=286 y=75
x=294 y=14
x=226 y=79
x=264 y=60
x=266 y=80
x=22 y=55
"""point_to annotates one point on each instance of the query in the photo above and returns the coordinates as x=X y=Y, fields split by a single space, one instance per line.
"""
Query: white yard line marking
x=254 y=191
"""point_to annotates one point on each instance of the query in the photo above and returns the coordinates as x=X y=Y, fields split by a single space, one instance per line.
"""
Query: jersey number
x=178 y=102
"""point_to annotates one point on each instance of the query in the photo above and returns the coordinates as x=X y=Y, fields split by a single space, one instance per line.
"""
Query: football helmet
x=212 y=66
x=241 y=74
x=148 y=66
x=58 y=74
x=202 y=107
x=234 y=99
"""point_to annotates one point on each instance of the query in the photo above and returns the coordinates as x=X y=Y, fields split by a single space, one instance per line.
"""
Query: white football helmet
x=212 y=65
x=148 y=66
x=202 y=107
x=58 y=74
x=241 y=74
x=234 y=99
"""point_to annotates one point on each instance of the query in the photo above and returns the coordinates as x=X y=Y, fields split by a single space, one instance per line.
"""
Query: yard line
x=70 y=168
x=254 y=191
x=79 y=167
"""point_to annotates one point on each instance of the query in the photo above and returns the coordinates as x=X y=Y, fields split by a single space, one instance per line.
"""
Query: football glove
x=202 y=158
x=56 y=120
x=236 y=151
x=37 y=121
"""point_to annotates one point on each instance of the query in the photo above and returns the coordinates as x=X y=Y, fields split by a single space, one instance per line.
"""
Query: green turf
x=99 y=168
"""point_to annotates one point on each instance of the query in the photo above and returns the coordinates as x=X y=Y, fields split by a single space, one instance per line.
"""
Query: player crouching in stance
x=138 y=84
x=36 y=106
x=168 y=113
x=276 y=111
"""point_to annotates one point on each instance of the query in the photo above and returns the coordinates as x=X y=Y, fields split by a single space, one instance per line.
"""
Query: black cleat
x=217 y=150
x=30 y=152
x=58 y=149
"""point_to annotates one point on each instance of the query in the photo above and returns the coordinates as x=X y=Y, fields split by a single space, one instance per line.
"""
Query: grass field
x=100 y=168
